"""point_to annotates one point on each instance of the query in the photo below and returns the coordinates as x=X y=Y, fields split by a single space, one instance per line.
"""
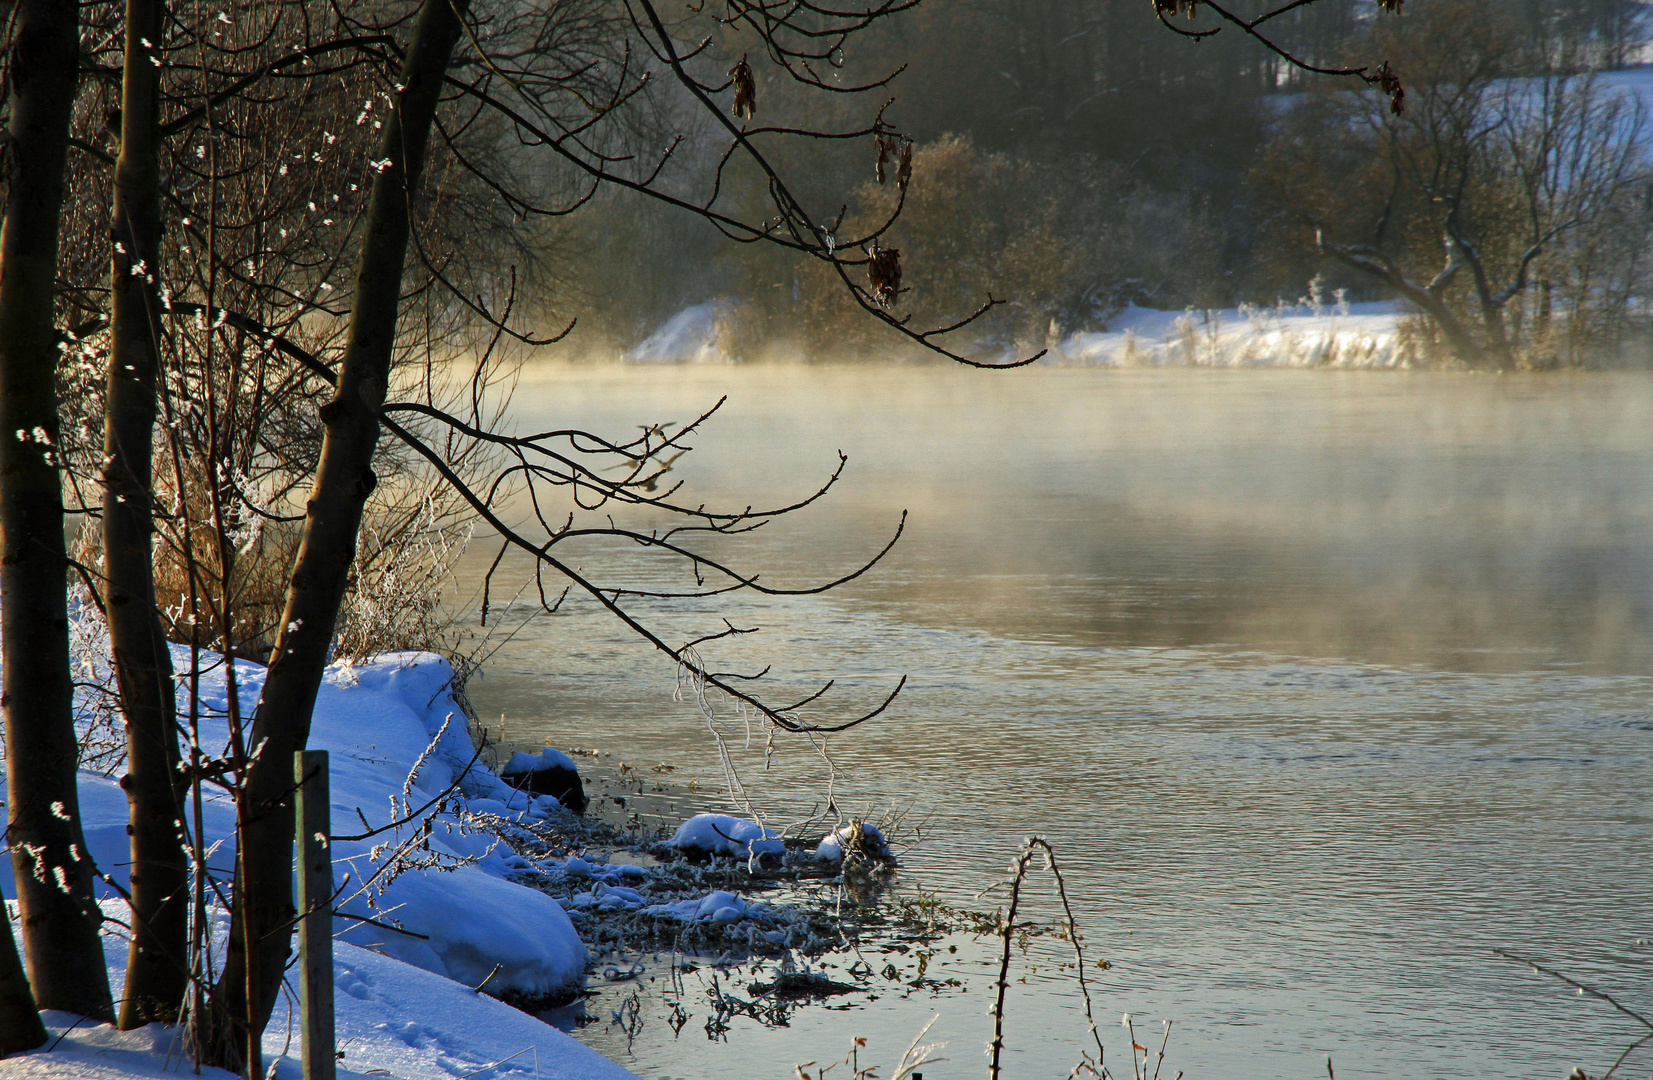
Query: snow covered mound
x=1308 y=334
x=862 y=835
x=545 y=759
x=717 y=907
x=720 y=834
x=460 y=915
x=550 y=772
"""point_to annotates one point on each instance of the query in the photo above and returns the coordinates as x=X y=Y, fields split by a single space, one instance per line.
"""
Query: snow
x=1315 y=332
x=405 y=1004
x=831 y=847
x=546 y=759
x=606 y=887
x=718 y=907
x=1308 y=334
x=694 y=335
x=389 y=1019
x=720 y=834
x=1636 y=82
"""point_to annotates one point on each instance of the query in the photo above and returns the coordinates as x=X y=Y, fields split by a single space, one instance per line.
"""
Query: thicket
x=239 y=245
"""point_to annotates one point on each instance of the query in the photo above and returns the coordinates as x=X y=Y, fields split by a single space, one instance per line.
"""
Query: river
x=1323 y=685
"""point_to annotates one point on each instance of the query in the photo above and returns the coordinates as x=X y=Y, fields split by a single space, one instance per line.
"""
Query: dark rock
x=550 y=773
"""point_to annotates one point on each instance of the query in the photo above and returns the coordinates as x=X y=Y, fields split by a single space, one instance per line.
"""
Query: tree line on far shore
x=1078 y=160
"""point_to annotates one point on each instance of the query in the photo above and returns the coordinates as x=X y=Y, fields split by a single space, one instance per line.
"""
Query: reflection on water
x=1325 y=684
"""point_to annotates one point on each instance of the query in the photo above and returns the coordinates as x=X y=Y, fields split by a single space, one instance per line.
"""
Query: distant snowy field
x=405 y=1005
x=1287 y=335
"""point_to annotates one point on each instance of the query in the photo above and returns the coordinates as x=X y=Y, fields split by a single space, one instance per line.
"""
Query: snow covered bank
x=391 y=1020
x=405 y=999
x=701 y=334
x=1306 y=334
x=1302 y=335
x=499 y=889
x=376 y=719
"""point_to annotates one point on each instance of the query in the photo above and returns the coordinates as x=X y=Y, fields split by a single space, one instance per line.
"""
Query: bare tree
x=156 y=974
x=20 y=1025
x=48 y=848
x=260 y=934
x=1485 y=199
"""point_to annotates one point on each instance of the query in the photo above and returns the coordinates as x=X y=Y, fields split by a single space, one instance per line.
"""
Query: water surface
x=1324 y=685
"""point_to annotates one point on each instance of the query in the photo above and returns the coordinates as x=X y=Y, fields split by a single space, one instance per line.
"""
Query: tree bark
x=48 y=849
x=20 y=1026
x=156 y=973
x=263 y=909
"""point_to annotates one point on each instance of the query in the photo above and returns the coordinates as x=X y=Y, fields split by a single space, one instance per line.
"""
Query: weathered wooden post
x=315 y=905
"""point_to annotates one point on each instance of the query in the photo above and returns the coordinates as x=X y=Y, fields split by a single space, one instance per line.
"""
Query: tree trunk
x=156 y=973
x=48 y=849
x=20 y=1026
x=1492 y=312
x=1457 y=335
x=263 y=909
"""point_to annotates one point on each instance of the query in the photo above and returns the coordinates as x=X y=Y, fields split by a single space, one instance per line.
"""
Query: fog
x=1324 y=684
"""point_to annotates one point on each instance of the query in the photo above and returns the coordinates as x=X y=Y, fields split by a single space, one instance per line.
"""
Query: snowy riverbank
x=480 y=884
x=405 y=1003
x=1288 y=335
x=1306 y=334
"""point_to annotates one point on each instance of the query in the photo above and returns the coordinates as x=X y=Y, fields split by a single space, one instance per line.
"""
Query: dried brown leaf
x=884 y=273
x=1184 y=8
x=886 y=150
x=1389 y=83
x=746 y=89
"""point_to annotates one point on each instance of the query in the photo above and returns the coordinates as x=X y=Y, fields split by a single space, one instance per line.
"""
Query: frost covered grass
x=696 y=898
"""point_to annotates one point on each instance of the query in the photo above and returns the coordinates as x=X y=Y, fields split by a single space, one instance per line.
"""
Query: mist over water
x=1323 y=684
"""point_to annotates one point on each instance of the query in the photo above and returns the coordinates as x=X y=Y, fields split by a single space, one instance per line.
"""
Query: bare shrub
x=395 y=598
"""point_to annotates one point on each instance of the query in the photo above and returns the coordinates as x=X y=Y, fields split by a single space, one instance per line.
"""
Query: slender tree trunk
x=20 y=1026
x=156 y=975
x=263 y=912
x=48 y=849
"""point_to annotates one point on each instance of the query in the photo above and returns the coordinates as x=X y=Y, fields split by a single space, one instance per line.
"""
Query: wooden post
x=315 y=905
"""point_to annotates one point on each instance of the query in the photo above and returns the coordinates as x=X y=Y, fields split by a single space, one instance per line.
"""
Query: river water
x=1323 y=685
